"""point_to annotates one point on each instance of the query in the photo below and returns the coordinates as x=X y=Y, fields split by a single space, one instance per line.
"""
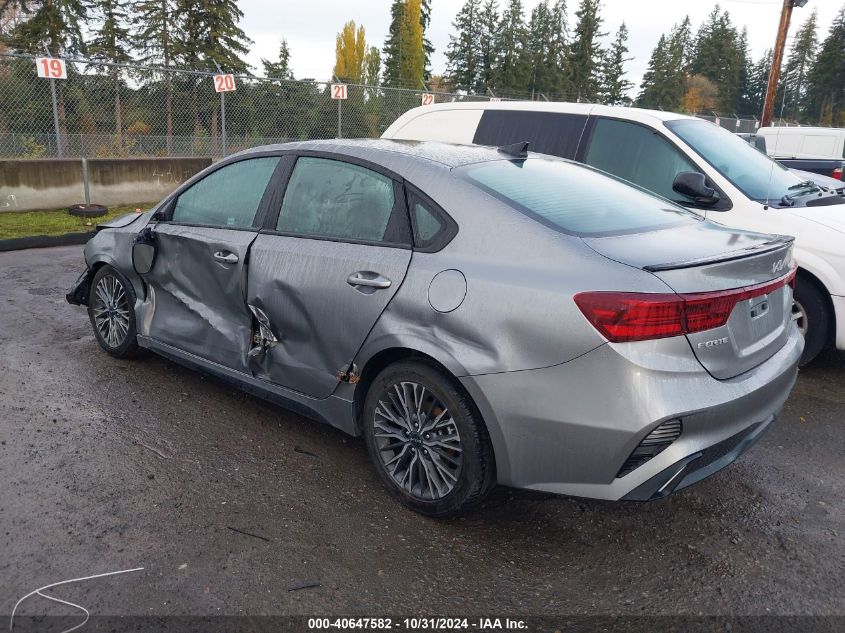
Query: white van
x=804 y=142
x=687 y=160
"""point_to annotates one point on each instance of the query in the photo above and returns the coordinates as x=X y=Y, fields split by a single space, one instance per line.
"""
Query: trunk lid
x=700 y=262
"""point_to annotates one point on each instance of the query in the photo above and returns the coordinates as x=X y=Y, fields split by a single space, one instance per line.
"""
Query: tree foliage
x=350 y=50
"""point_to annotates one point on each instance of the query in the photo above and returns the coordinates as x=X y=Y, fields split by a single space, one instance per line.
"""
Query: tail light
x=640 y=316
x=837 y=173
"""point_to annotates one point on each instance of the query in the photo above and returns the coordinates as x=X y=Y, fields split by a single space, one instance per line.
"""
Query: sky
x=310 y=26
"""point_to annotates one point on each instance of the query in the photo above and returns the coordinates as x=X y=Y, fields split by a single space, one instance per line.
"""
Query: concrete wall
x=57 y=183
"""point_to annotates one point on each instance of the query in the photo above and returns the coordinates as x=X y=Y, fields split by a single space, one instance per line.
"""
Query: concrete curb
x=45 y=241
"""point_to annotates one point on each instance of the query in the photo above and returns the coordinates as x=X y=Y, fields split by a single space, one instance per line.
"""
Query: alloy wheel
x=111 y=311
x=417 y=440
x=799 y=315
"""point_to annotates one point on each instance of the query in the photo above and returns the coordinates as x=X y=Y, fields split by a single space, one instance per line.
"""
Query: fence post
x=223 y=122
x=56 y=118
x=339 y=118
x=85 y=180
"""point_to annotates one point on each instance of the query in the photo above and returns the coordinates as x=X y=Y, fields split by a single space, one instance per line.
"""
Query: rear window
x=575 y=199
x=554 y=133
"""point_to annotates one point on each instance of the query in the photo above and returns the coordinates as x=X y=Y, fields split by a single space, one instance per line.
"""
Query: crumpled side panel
x=197 y=303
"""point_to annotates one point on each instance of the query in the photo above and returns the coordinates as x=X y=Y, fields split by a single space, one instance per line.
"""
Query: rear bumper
x=839 y=319
x=568 y=429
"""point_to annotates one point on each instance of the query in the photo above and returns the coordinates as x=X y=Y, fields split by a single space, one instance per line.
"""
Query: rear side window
x=333 y=199
x=433 y=228
x=228 y=197
x=574 y=199
x=552 y=133
x=637 y=154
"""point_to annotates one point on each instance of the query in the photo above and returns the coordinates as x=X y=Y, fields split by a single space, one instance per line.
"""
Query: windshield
x=574 y=199
x=752 y=172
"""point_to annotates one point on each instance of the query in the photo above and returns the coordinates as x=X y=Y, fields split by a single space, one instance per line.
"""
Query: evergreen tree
x=585 y=52
x=156 y=30
x=279 y=69
x=428 y=47
x=654 y=85
x=719 y=57
x=212 y=35
x=758 y=81
x=798 y=65
x=556 y=49
x=487 y=45
x=404 y=52
x=826 y=81
x=350 y=49
x=614 y=85
x=541 y=76
x=464 y=50
x=512 y=61
x=56 y=23
x=111 y=42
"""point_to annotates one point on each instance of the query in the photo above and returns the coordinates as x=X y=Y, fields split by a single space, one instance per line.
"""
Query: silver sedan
x=480 y=316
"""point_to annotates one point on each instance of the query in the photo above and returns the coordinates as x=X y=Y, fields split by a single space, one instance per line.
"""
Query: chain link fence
x=107 y=110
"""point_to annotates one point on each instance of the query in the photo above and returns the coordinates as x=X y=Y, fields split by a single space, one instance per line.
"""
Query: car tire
x=812 y=314
x=111 y=310
x=455 y=466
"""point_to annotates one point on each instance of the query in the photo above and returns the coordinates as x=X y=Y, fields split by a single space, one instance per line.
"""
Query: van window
x=554 y=133
x=639 y=155
x=574 y=199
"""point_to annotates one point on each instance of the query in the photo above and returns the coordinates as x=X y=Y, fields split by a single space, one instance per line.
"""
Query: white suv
x=690 y=161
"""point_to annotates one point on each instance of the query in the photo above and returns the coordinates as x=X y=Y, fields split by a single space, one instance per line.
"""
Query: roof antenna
x=517 y=150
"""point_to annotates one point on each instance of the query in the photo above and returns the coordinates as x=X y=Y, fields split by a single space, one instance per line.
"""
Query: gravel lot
x=232 y=505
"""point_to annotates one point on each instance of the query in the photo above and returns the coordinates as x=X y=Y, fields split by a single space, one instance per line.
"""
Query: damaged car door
x=197 y=286
x=329 y=260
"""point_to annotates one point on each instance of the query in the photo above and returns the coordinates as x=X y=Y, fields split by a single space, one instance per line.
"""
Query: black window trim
x=448 y=230
x=165 y=214
x=724 y=204
x=400 y=208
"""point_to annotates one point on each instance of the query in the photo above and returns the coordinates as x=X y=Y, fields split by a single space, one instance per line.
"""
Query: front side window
x=637 y=154
x=575 y=199
x=755 y=174
x=228 y=197
x=333 y=199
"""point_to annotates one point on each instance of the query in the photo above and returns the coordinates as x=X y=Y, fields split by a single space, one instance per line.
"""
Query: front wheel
x=111 y=309
x=428 y=444
x=811 y=314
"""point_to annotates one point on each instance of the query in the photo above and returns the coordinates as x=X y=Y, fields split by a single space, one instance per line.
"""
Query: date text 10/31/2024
x=421 y=623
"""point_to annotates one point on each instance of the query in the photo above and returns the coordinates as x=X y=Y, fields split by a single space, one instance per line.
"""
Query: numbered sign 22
x=338 y=91
x=224 y=83
x=427 y=98
x=51 y=68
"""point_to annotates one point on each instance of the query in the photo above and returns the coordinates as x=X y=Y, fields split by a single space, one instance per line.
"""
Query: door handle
x=225 y=257
x=368 y=279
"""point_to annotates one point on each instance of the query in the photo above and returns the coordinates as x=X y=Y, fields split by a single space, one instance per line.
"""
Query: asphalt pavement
x=234 y=506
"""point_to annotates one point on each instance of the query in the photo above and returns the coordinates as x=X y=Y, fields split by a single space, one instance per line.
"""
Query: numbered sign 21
x=51 y=68
x=224 y=83
x=338 y=91
x=427 y=98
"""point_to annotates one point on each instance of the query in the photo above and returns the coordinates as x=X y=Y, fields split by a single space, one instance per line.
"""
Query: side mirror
x=144 y=251
x=694 y=185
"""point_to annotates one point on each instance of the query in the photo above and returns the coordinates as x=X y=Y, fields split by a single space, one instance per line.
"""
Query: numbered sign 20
x=224 y=83
x=427 y=98
x=338 y=91
x=51 y=68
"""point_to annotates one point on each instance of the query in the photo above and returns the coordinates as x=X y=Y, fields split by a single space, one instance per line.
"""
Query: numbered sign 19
x=338 y=91
x=224 y=83
x=51 y=68
x=427 y=98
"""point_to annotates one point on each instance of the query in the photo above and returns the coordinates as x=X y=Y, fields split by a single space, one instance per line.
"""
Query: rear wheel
x=811 y=314
x=111 y=309
x=429 y=446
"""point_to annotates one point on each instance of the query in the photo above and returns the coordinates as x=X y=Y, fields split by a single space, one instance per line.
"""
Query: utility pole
x=777 y=59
